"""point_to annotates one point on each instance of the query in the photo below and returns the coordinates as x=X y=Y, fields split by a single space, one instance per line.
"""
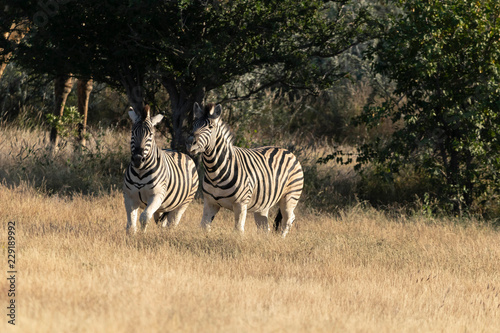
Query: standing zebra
x=242 y=179
x=161 y=181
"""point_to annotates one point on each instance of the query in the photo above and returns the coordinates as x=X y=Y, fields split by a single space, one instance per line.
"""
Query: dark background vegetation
x=394 y=103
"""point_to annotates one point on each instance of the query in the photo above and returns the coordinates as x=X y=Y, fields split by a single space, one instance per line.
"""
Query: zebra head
x=206 y=122
x=143 y=133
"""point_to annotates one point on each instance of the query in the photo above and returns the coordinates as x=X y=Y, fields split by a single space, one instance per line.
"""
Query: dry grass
x=27 y=156
x=359 y=272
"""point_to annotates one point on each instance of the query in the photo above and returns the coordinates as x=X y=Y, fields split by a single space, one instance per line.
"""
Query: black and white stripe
x=242 y=179
x=159 y=181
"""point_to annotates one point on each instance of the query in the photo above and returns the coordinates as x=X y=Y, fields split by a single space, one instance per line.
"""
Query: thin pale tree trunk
x=84 y=88
x=62 y=87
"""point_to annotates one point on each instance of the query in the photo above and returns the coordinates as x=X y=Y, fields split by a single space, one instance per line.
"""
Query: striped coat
x=243 y=180
x=162 y=182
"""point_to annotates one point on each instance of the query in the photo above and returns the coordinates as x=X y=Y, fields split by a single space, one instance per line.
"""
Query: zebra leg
x=174 y=216
x=287 y=205
x=151 y=208
x=132 y=208
x=168 y=220
x=162 y=219
x=240 y=214
x=209 y=212
x=261 y=221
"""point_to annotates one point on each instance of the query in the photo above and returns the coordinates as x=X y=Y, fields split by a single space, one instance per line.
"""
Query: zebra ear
x=197 y=111
x=132 y=114
x=156 y=119
x=216 y=111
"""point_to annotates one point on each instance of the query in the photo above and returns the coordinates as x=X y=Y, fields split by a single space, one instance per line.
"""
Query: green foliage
x=443 y=56
x=68 y=124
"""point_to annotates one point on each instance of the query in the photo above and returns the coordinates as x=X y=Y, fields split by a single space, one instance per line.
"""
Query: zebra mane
x=207 y=108
x=225 y=128
x=145 y=112
x=227 y=132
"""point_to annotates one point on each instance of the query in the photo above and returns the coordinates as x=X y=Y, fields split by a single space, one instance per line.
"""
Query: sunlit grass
x=359 y=271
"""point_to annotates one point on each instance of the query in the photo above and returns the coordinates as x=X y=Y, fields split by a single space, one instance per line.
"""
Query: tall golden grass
x=356 y=271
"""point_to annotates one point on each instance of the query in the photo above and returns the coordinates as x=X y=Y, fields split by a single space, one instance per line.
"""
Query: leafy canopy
x=443 y=56
x=193 y=47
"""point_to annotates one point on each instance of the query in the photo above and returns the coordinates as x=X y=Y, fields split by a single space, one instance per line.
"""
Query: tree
x=13 y=27
x=443 y=57
x=192 y=47
x=261 y=43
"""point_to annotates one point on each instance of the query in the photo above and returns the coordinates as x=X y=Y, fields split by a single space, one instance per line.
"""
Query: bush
x=443 y=56
x=27 y=156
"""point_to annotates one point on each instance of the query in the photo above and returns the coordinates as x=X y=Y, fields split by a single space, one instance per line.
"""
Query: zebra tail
x=277 y=221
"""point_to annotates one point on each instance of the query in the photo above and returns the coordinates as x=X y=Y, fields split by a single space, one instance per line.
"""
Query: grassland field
x=356 y=270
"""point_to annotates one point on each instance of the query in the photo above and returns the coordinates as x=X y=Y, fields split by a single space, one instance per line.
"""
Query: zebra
x=243 y=180
x=158 y=181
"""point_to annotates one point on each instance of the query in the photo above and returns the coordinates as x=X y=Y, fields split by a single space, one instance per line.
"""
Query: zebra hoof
x=131 y=231
x=285 y=232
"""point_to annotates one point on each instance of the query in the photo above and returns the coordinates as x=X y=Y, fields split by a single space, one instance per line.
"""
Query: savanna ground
x=357 y=269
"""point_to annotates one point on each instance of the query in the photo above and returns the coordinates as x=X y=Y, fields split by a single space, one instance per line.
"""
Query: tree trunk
x=453 y=175
x=84 y=87
x=179 y=113
x=133 y=82
x=182 y=106
x=4 y=58
x=469 y=180
x=3 y=64
x=62 y=87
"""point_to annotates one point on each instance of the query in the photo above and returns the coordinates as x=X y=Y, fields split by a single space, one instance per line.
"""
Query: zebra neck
x=220 y=160
x=151 y=163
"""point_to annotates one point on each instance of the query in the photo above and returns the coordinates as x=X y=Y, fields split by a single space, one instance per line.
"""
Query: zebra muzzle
x=190 y=144
x=137 y=160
